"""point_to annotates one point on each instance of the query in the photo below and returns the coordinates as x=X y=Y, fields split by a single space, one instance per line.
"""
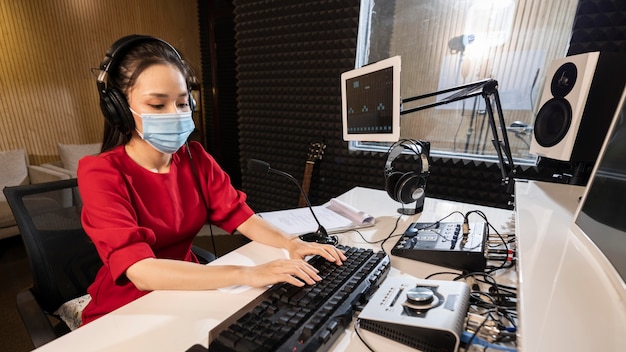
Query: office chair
x=63 y=260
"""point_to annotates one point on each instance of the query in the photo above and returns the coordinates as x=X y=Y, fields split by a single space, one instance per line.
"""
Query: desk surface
x=567 y=300
x=176 y=320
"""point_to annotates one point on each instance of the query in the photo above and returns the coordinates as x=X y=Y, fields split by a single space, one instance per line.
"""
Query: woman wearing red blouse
x=147 y=194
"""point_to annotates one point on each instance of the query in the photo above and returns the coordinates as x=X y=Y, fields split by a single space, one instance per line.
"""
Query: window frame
x=363 y=52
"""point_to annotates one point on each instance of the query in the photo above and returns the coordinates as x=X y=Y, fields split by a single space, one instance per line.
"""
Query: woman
x=148 y=193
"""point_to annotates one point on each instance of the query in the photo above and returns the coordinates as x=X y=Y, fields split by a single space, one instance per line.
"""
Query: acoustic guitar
x=315 y=153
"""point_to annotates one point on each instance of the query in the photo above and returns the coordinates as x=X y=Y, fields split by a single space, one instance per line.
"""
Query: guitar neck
x=306 y=182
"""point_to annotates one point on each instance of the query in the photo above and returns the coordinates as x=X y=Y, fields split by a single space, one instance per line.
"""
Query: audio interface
x=428 y=315
x=444 y=244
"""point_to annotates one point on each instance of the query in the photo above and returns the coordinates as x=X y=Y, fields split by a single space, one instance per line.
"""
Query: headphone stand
x=419 y=207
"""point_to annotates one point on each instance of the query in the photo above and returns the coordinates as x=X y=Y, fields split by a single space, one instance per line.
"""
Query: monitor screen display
x=602 y=213
x=370 y=99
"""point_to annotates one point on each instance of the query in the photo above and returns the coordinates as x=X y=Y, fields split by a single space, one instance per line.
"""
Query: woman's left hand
x=258 y=229
x=299 y=249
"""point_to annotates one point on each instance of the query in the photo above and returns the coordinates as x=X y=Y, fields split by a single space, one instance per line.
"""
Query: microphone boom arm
x=488 y=89
x=319 y=236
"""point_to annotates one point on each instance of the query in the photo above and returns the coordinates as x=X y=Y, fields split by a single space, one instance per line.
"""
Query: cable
x=467 y=337
x=484 y=217
x=357 y=329
x=395 y=226
x=504 y=243
x=442 y=273
x=382 y=242
x=196 y=177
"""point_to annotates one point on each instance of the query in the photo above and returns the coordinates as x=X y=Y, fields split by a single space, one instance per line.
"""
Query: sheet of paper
x=350 y=212
x=300 y=220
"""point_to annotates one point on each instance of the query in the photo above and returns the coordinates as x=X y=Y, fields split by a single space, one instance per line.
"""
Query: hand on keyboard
x=301 y=249
x=304 y=317
x=294 y=271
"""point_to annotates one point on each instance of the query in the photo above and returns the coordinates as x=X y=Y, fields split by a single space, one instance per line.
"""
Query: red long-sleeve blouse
x=131 y=213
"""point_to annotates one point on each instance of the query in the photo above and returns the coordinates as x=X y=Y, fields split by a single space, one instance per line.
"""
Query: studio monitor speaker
x=578 y=102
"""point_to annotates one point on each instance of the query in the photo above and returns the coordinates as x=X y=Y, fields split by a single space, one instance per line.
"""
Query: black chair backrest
x=63 y=260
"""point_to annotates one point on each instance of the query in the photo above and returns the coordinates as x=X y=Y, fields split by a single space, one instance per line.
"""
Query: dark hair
x=124 y=75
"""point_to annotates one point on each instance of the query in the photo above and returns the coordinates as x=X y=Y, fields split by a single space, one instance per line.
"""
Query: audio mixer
x=444 y=244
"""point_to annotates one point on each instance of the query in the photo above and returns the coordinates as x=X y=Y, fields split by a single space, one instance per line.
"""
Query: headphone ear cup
x=391 y=182
x=410 y=187
x=192 y=103
x=116 y=110
x=108 y=110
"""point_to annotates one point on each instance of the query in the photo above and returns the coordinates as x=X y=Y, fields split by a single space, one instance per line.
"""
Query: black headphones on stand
x=408 y=187
x=113 y=103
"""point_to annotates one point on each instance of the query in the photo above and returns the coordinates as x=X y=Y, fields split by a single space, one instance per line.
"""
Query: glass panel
x=447 y=43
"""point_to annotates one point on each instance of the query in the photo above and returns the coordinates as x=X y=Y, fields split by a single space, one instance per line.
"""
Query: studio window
x=447 y=43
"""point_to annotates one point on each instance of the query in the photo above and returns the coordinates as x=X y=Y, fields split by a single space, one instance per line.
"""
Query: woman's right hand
x=294 y=271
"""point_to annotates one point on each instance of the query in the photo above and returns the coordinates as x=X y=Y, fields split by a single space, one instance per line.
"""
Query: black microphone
x=458 y=43
x=319 y=236
x=535 y=80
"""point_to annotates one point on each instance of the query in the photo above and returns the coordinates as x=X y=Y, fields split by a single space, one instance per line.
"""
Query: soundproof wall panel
x=290 y=55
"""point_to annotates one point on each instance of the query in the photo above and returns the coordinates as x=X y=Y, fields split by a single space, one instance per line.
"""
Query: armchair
x=69 y=155
x=16 y=171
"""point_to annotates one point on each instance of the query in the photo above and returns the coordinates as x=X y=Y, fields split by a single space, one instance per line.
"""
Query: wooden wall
x=48 y=52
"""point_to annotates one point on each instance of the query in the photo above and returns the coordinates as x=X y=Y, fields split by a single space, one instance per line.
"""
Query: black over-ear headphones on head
x=113 y=103
x=407 y=187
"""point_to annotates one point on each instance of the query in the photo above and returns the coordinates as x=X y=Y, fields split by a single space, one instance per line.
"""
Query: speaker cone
x=553 y=122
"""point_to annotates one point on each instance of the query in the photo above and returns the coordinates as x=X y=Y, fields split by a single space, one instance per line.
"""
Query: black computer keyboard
x=309 y=318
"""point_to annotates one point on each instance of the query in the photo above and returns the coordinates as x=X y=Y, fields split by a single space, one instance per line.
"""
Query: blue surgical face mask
x=166 y=132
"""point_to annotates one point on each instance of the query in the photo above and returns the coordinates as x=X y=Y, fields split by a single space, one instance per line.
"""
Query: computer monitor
x=370 y=102
x=601 y=215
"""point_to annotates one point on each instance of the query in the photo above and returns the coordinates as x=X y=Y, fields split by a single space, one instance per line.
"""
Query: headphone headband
x=117 y=51
x=112 y=101
x=418 y=147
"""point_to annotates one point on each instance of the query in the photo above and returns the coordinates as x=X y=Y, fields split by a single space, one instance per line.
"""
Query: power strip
x=443 y=244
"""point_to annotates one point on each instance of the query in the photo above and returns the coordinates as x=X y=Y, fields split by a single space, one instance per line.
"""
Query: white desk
x=567 y=302
x=176 y=320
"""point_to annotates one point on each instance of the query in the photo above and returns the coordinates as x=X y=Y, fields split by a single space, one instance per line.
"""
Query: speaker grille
x=427 y=340
x=553 y=121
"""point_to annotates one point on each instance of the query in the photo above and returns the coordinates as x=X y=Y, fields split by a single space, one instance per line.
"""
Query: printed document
x=335 y=216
